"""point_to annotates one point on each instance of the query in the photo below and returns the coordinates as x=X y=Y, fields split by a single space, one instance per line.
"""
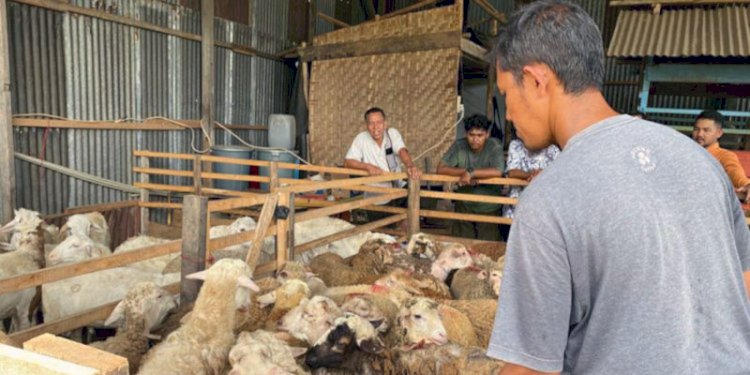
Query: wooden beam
x=163 y=172
x=332 y=20
x=232 y=203
x=413 y=211
x=468 y=197
x=266 y=215
x=401 y=44
x=194 y=243
x=165 y=155
x=7 y=159
x=349 y=232
x=344 y=183
x=466 y=217
x=100 y=207
x=152 y=124
x=233 y=177
x=175 y=188
x=488 y=181
x=369 y=8
x=282 y=232
x=312 y=21
x=339 y=208
x=166 y=205
x=236 y=238
x=207 y=69
x=409 y=9
x=226 y=160
x=90 y=12
x=484 y=4
x=474 y=50
x=620 y=3
x=65 y=271
x=145 y=195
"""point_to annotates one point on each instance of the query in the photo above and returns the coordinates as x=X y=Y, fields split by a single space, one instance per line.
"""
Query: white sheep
x=157 y=264
x=75 y=248
x=242 y=224
x=28 y=257
x=92 y=225
x=260 y=352
x=145 y=305
x=310 y=319
x=201 y=345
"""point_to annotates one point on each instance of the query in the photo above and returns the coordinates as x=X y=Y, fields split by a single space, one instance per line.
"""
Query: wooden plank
x=196 y=174
x=177 y=188
x=266 y=215
x=339 y=208
x=488 y=181
x=620 y=3
x=236 y=238
x=162 y=171
x=228 y=193
x=348 y=233
x=76 y=321
x=264 y=268
x=337 y=184
x=474 y=50
x=232 y=203
x=291 y=222
x=233 y=177
x=487 y=6
x=207 y=70
x=145 y=195
x=65 y=7
x=166 y=205
x=17 y=361
x=165 y=155
x=401 y=44
x=226 y=160
x=101 y=207
x=408 y=9
x=149 y=124
x=273 y=173
x=323 y=169
x=194 y=244
x=467 y=217
x=306 y=81
x=332 y=20
x=7 y=159
x=50 y=274
x=312 y=9
x=282 y=232
x=468 y=197
x=75 y=352
x=412 y=213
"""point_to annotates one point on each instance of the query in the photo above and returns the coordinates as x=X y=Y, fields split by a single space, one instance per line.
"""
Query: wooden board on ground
x=70 y=351
x=17 y=361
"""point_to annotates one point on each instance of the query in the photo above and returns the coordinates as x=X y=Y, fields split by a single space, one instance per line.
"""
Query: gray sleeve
x=532 y=319
x=741 y=234
x=450 y=158
x=498 y=159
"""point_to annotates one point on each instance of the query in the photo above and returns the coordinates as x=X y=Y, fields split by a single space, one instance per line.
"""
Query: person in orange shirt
x=706 y=131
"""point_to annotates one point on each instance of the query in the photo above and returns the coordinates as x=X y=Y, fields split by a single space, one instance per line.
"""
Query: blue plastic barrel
x=235 y=152
x=279 y=156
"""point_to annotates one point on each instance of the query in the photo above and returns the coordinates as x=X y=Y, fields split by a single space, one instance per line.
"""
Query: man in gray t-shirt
x=630 y=253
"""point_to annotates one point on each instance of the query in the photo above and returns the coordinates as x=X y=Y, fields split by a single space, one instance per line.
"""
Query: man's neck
x=576 y=113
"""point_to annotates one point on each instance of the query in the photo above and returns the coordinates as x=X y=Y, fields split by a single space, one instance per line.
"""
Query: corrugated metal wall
x=88 y=69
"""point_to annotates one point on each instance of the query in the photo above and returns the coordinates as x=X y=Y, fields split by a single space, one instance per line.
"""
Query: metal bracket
x=281 y=213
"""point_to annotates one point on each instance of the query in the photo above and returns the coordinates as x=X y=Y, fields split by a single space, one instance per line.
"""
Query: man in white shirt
x=375 y=151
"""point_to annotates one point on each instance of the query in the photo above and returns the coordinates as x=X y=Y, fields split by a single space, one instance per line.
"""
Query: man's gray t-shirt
x=626 y=257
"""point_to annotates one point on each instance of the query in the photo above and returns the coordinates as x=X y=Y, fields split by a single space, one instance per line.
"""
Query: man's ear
x=720 y=133
x=539 y=77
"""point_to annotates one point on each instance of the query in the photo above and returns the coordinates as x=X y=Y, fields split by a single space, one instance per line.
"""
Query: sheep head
x=420 y=323
x=243 y=224
x=146 y=300
x=496 y=280
x=422 y=246
x=310 y=319
x=293 y=270
x=75 y=248
x=365 y=308
x=287 y=295
x=23 y=221
x=348 y=333
x=229 y=269
x=454 y=256
x=260 y=352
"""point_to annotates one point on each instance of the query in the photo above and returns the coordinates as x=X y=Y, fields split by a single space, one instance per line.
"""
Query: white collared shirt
x=364 y=149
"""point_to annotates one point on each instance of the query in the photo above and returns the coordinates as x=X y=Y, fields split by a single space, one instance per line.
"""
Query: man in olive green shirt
x=475 y=157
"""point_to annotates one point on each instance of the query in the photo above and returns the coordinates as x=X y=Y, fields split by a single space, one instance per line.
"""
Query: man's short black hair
x=374 y=110
x=477 y=121
x=713 y=115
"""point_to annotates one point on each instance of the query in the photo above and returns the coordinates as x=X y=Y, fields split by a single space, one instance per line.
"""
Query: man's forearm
x=356 y=164
x=405 y=157
x=487 y=173
x=450 y=171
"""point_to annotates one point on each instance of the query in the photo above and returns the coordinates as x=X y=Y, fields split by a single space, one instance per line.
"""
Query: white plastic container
x=282 y=131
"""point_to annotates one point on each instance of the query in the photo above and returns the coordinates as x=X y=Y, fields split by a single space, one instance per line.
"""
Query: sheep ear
x=116 y=315
x=297 y=352
x=248 y=283
x=200 y=275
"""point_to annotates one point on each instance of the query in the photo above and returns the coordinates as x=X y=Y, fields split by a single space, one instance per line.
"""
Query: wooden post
x=273 y=173
x=290 y=228
x=207 y=68
x=197 y=169
x=412 y=214
x=7 y=160
x=143 y=162
x=194 y=244
x=282 y=233
x=312 y=20
x=266 y=215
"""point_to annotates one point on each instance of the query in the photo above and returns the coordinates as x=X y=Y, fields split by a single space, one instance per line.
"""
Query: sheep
x=284 y=298
x=260 y=352
x=481 y=314
x=493 y=250
x=157 y=264
x=10 y=240
x=64 y=298
x=414 y=284
x=425 y=321
x=28 y=257
x=201 y=345
x=422 y=246
x=92 y=225
x=471 y=283
x=297 y=270
x=333 y=270
x=75 y=248
x=449 y=359
x=351 y=344
x=242 y=224
x=379 y=311
x=310 y=319
x=144 y=306
x=453 y=256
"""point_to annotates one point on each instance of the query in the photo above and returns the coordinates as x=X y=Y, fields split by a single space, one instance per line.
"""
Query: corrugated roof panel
x=719 y=31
